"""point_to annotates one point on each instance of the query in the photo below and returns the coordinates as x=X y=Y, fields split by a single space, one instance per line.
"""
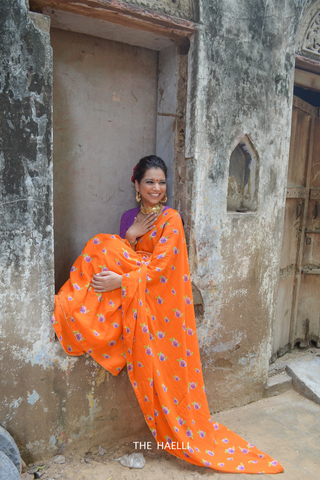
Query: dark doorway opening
x=309 y=96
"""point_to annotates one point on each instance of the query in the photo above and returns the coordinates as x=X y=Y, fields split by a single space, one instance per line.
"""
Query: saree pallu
x=149 y=325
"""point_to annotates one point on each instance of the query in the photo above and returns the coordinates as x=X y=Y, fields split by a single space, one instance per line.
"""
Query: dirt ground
x=286 y=426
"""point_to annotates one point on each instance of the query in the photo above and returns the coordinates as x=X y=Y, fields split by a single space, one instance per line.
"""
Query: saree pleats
x=149 y=325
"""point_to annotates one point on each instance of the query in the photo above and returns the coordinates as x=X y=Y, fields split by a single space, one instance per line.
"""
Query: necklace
x=145 y=210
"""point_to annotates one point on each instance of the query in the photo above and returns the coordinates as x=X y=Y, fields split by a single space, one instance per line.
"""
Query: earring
x=138 y=197
x=165 y=198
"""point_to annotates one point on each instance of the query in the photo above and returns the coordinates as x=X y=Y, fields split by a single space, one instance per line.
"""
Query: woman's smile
x=152 y=187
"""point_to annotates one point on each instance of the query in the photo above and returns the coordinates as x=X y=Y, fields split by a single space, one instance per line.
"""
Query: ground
x=286 y=426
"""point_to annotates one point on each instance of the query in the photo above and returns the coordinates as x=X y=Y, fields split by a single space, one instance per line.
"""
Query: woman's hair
x=144 y=164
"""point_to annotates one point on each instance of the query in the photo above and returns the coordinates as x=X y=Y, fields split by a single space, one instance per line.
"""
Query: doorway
x=104 y=121
x=298 y=304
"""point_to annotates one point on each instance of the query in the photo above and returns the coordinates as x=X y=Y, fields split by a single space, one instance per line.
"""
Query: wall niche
x=243 y=178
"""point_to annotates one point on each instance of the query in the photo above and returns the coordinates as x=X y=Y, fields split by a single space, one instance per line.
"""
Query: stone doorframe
x=172 y=37
x=306 y=75
x=123 y=14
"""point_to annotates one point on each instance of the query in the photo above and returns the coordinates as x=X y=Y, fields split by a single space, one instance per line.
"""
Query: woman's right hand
x=141 y=225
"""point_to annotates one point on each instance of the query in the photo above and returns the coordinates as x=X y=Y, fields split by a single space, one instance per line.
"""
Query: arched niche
x=243 y=177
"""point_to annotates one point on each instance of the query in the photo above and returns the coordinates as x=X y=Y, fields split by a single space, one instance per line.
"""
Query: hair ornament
x=134 y=169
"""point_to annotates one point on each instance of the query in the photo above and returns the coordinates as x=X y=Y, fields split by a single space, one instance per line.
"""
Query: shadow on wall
x=243 y=177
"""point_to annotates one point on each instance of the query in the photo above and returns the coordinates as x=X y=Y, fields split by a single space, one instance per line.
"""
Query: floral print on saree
x=149 y=325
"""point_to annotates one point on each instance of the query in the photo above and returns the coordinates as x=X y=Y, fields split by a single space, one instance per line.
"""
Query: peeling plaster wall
x=48 y=400
x=26 y=296
x=240 y=83
x=187 y=9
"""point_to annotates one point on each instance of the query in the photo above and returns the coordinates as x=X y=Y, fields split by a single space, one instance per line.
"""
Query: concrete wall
x=167 y=106
x=48 y=400
x=26 y=260
x=104 y=121
x=241 y=68
x=178 y=8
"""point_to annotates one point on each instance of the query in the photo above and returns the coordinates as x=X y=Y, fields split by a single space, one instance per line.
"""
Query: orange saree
x=149 y=325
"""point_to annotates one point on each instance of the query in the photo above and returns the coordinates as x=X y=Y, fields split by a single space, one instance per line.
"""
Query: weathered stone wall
x=187 y=9
x=26 y=211
x=48 y=400
x=241 y=83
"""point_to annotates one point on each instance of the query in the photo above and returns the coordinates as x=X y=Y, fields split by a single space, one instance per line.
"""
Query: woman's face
x=152 y=187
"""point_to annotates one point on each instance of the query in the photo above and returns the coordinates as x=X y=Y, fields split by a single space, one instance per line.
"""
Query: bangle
x=134 y=243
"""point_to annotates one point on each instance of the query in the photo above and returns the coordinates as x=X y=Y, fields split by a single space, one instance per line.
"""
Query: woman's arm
x=108 y=280
x=125 y=223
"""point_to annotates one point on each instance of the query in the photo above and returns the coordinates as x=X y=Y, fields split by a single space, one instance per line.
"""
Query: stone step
x=278 y=384
x=306 y=377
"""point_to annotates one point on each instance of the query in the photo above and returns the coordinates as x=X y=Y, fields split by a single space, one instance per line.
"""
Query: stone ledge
x=278 y=384
x=306 y=378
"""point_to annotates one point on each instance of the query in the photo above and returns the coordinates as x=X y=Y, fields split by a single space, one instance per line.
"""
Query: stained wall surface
x=48 y=400
x=182 y=8
x=26 y=225
x=104 y=121
x=241 y=83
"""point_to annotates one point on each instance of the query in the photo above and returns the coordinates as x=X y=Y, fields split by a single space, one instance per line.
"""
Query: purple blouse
x=127 y=220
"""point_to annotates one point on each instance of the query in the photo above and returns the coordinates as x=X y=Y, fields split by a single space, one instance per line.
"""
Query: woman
x=129 y=302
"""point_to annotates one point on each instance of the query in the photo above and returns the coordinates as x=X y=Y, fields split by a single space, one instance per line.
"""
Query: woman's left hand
x=106 y=281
